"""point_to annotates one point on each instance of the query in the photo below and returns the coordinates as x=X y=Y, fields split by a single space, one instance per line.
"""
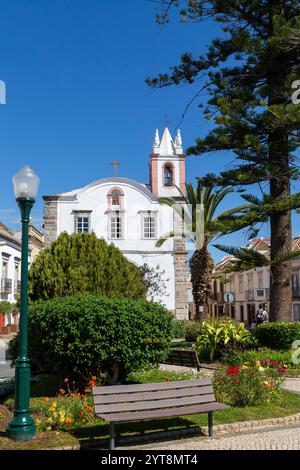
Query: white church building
x=127 y=213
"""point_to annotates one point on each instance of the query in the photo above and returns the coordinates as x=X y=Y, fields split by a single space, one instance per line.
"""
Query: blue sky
x=76 y=96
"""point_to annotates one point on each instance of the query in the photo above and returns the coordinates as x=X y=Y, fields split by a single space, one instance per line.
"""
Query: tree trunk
x=280 y=275
x=280 y=222
x=201 y=265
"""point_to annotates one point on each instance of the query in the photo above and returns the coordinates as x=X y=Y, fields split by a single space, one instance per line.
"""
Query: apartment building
x=250 y=289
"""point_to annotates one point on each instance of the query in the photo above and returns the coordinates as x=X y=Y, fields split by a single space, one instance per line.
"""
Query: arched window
x=115 y=198
x=168 y=174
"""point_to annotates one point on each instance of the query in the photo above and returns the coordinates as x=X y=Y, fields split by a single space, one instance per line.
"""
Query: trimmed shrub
x=278 y=335
x=81 y=264
x=89 y=334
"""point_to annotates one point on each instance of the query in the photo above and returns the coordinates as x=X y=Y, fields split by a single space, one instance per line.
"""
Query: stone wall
x=182 y=278
x=50 y=220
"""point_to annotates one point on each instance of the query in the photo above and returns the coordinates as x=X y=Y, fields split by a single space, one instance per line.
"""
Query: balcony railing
x=263 y=293
x=249 y=294
x=6 y=286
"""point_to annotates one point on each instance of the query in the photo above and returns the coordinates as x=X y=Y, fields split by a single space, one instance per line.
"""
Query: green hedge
x=278 y=335
x=97 y=335
x=253 y=356
x=179 y=328
x=193 y=330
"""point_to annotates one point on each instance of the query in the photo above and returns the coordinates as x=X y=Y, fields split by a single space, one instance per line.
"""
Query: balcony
x=249 y=294
x=263 y=294
x=6 y=286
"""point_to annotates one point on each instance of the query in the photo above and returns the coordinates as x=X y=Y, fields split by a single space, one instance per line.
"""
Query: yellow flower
x=49 y=420
x=38 y=421
x=48 y=428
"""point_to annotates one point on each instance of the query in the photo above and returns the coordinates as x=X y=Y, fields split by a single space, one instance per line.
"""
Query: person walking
x=265 y=316
x=259 y=315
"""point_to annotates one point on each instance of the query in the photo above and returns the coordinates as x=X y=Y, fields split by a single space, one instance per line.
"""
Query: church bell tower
x=167 y=165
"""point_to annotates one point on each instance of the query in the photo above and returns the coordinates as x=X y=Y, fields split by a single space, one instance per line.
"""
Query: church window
x=115 y=197
x=149 y=225
x=116 y=227
x=168 y=174
x=82 y=224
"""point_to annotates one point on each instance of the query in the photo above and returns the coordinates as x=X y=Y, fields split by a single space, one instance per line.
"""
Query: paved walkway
x=287 y=438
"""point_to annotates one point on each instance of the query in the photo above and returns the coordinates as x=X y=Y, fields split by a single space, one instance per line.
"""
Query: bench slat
x=156 y=395
x=151 y=405
x=112 y=389
x=167 y=413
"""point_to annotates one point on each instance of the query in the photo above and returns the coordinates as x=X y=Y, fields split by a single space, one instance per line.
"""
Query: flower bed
x=250 y=385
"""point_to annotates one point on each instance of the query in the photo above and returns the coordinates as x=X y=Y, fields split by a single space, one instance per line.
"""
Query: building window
x=295 y=284
x=296 y=312
x=241 y=284
x=82 y=224
x=149 y=226
x=260 y=276
x=116 y=227
x=168 y=174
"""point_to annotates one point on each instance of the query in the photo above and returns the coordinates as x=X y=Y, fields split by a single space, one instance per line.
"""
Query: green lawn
x=97 y=433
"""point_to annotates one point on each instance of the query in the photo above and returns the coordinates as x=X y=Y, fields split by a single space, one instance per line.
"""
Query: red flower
x=275 y=363
x=62 y=391
x=81 y=413
x=94 y=377
x=92 y=383
x=232 y=370
x=282 y=370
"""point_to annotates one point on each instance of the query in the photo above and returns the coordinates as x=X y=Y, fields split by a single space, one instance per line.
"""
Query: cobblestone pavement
x=287 y=438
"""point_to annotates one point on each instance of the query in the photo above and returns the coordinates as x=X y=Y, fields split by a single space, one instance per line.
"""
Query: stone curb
x=263 y=423
x=222 y=429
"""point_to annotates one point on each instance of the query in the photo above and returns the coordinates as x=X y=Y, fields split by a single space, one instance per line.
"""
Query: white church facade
x=127 y=213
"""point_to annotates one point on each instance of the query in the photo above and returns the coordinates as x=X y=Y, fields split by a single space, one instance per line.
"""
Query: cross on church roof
x=115 y=164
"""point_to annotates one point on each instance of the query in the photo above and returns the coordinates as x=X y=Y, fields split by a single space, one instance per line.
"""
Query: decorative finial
x=178 y=140
x=156 y=139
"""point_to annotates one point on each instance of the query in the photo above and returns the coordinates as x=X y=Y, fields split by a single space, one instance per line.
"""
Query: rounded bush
x=278 y=335
x=97 y=335
x=81 y=264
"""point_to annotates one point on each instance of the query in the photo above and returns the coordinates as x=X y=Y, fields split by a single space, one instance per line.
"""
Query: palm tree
x=199 y=205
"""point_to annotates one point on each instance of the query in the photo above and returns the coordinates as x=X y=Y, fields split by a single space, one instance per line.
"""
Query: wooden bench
x=183 y=357
x=125 y=403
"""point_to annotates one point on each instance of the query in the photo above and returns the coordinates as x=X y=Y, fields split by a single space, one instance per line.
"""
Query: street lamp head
x=26 y=183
